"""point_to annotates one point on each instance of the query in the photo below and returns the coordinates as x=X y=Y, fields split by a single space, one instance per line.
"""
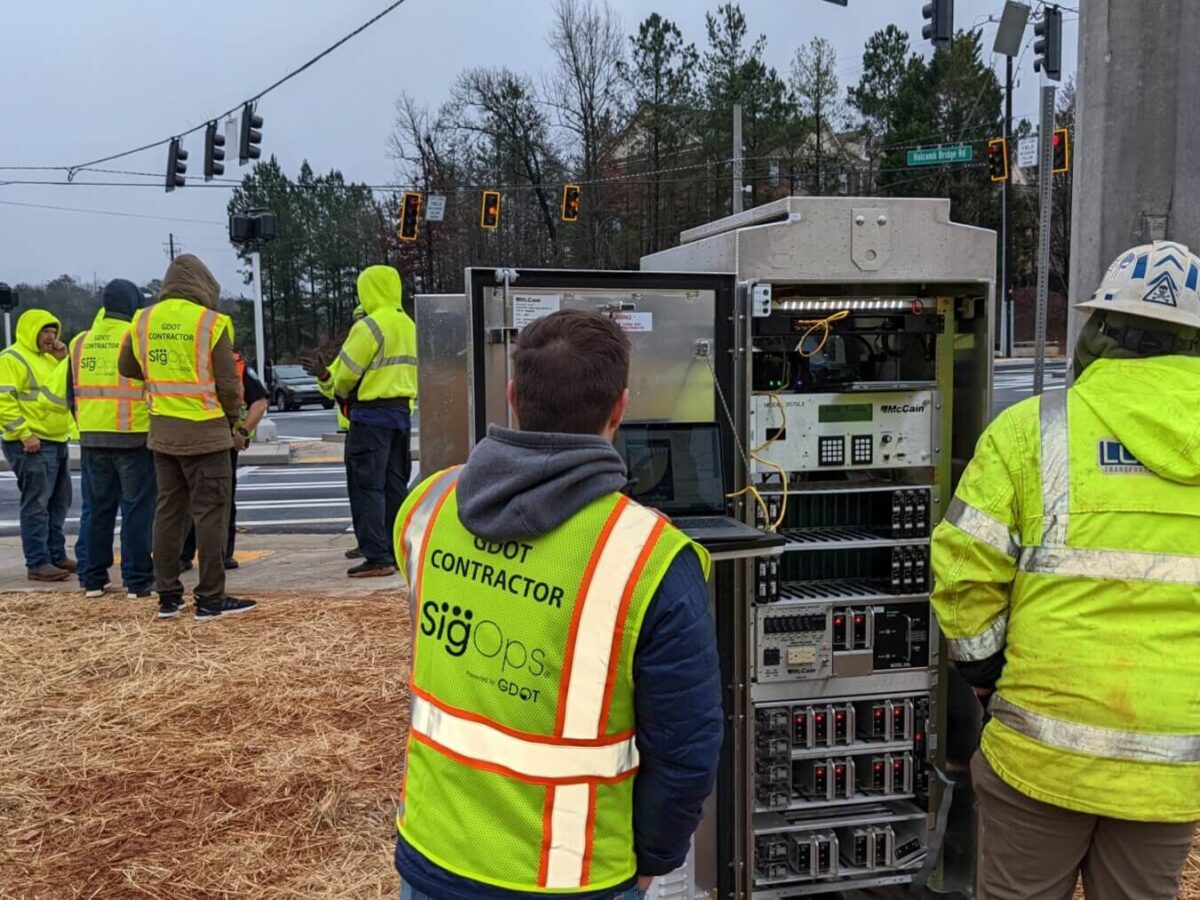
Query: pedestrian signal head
x=489 y=212
x=1157 y=281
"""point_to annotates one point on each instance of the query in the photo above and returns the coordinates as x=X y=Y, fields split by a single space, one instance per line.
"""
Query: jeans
x=380 y=465
x=44 y=479
x=192 y=491
x=189 y=545
x=407 y=893
x=117 y=479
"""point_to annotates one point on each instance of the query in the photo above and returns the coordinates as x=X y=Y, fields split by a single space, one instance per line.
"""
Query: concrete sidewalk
x=270 y=563
x=274 y=454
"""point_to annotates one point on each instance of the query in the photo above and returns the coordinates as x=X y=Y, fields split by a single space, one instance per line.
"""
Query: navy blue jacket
x=677 y=681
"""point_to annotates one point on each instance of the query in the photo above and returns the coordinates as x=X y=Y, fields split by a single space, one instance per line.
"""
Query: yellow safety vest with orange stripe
x=522 y=745
x=173 y=342
x=104 y=399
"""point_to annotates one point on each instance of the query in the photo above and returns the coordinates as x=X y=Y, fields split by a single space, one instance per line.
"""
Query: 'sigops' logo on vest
x=1115 y=459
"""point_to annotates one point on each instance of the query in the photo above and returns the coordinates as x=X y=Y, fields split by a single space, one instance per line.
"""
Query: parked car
x=292 y=388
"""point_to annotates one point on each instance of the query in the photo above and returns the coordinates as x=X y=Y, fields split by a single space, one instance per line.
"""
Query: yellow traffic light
x=489 y=212
x=570 y=202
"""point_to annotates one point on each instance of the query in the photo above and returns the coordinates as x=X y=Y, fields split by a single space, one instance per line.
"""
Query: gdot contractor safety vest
x=1096 y=710
x=104 y=399
x=521 y=750
x=173 y=342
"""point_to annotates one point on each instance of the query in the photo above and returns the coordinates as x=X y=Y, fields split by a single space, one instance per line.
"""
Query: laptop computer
x=677 y=469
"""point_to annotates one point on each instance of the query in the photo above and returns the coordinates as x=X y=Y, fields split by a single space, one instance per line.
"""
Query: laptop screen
x=674 y=467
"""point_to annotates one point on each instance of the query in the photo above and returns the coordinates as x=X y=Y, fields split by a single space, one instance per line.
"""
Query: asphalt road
x=312 y=497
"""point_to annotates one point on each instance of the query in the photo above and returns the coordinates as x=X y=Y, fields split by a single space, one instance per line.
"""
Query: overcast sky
x=83 y=79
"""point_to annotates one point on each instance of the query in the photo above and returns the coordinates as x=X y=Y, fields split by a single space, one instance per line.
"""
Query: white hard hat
x=1154 y=281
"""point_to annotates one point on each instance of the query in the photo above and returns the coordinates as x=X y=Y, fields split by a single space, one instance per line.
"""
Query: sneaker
x=48 y=573
x=67 y=565
x=93 y=593
x=231 y=563
x=372 y=570
x=226 y=606
x=169 y=607
x=140 y=594
x=354 y=554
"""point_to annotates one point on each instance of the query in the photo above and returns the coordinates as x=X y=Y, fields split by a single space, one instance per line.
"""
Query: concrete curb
x=276 y=454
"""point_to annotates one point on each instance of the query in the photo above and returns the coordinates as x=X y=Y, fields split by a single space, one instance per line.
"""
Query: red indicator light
x=878 y=767
x=858 y=620
x=820 y=717
x=840 y=770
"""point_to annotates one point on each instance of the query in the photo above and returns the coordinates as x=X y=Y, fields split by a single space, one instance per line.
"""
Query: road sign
x=933 y=156
x=435 y=208
x=1027 y=153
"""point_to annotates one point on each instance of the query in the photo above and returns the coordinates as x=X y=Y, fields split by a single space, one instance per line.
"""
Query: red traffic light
x=1061 y=147
x=410 y=217
x=998 y=159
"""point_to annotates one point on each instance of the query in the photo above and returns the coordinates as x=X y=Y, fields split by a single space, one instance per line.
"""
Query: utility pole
x=738 y=195
x=1046 y=194
x=171 y=244
x=1137 y=136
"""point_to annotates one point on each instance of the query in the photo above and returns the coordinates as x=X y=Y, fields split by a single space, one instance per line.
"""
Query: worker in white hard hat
x=1068 y=590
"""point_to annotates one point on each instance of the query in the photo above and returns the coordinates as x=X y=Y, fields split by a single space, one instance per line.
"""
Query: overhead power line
x=71 y=170
x=112 y=212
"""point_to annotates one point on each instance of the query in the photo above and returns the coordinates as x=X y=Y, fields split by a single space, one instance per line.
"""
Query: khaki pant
x=192 y=491
x=1029 y=850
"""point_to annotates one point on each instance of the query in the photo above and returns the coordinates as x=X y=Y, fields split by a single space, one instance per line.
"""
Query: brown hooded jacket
x=188 y=278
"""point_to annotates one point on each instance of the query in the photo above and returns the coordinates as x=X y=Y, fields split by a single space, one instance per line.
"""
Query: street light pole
x=260 y=343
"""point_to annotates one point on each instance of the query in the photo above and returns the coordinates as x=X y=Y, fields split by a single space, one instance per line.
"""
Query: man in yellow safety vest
x=566 y=712
x=117 y=467
x=36 y=425
x=182 y=348
x=376 y=373
x=1068 y=578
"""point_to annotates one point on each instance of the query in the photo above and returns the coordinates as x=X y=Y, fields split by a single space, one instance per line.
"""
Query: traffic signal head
x=214 y=152
x=1047 y=49
x=410 y=217
x=1061 y=151
x=176 y=165
x=939 y=23
x=489 y=211
x=8 y=298
x=570 y=203
x=998 y=159
x=250 y=137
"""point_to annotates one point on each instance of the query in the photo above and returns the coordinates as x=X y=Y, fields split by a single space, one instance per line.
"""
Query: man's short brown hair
x=569 y=370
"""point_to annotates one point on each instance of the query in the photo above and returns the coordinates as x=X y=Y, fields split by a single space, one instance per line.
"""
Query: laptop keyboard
x=704 y=521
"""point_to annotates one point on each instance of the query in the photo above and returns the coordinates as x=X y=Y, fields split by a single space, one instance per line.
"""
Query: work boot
x=169 y=605
x=371 y=570
x=226 y=606
x=48 y=573
x=67 y=564
x=354 y=553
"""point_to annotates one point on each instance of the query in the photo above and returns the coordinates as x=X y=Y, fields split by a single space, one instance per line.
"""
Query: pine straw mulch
x=255 y=757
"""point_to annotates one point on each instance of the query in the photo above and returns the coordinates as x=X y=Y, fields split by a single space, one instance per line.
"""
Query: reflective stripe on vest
x=203 y=387
x=1054 y=557
x=125 y=393
x=578 y=755
x=33 y=391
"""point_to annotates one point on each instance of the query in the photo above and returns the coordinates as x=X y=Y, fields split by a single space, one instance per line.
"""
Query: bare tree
x=586 y=90
x=815 y=85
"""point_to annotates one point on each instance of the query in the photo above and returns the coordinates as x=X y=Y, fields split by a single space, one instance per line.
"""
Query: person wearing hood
x=1067 y=575
x=182 y=348
x=376 y=374
x=36 y=425
x=117 y=467
x=566 y=697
